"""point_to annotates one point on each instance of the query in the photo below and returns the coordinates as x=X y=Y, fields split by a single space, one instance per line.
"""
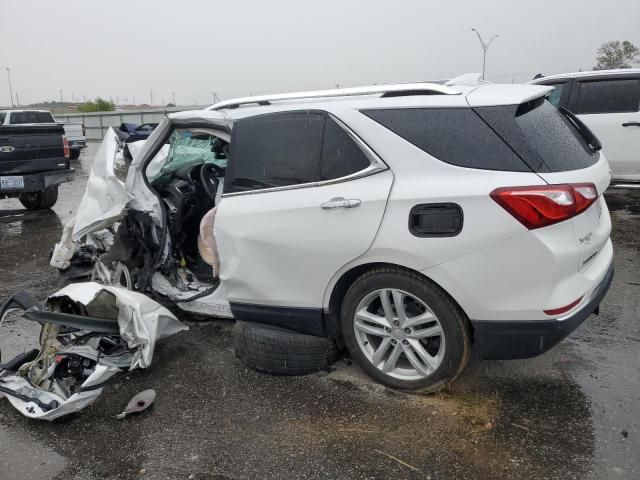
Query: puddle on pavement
x=623 y=201
x=496 y=429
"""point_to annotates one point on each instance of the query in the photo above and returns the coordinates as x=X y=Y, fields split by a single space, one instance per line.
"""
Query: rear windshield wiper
x=584 y=131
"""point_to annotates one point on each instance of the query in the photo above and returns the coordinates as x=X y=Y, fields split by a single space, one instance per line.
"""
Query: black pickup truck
x=34 y=160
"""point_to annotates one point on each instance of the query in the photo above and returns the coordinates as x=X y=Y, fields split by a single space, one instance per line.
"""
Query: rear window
x=457 y=136
x=30 y=117
x=541 y=135
x=609 y=96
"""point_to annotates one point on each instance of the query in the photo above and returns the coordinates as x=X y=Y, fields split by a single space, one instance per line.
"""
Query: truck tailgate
x=31 y=148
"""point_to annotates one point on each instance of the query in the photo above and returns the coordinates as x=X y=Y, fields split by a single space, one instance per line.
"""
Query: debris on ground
x=91 y=334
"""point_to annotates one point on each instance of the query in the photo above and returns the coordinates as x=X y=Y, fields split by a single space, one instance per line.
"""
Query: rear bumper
x=37 y=182
x=507 y=340
x=77 y=144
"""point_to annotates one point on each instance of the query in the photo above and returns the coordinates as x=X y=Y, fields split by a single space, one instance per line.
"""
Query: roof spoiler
x=467 y=79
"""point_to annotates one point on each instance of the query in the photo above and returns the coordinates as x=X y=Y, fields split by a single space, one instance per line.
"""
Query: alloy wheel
x=399 y=334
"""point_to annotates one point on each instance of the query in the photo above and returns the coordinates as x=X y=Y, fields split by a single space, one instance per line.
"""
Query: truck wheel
x=281 y=352
x=40 y=200
x=74 y=154
x=404 y=331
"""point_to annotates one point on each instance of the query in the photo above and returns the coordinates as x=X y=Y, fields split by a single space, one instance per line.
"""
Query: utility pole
x=215 y=97
x=17 y=99
x=61 y=101
x=173 y=96
x=10 y=89
x=485 y=47
x=337 y=86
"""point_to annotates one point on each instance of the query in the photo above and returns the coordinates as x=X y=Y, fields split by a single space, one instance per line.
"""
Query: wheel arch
x=335 y=294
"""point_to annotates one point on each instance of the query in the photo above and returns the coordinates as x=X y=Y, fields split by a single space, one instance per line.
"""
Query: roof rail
x=390 y=90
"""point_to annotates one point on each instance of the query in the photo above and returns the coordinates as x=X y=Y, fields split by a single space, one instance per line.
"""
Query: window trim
x=376 y=164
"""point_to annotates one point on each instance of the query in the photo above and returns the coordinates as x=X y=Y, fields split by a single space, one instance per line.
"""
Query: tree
x=99 y=105
x=616 y=54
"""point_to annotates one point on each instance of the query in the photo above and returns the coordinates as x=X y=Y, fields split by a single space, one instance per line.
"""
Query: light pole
x=10 y=89
x=485 y=47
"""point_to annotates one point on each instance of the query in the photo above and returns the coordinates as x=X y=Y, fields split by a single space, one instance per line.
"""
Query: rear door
x=303 y=197
x=610 y=106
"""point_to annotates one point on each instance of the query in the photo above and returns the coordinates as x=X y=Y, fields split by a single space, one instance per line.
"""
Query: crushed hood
x=105 y=196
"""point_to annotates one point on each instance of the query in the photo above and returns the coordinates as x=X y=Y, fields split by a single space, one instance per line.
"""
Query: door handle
x=340 y=203
x=631 y=124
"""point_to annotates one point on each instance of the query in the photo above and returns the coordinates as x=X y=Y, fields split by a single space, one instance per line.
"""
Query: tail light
x=561 y=310
x=65 y=144
x=540 y=206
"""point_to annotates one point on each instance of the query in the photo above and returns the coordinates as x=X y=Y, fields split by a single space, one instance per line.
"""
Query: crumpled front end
x=91 y=334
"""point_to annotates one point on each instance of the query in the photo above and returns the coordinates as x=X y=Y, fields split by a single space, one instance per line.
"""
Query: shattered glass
x=192 y=148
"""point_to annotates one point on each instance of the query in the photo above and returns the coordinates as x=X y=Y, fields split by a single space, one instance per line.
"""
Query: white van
x=608 y=102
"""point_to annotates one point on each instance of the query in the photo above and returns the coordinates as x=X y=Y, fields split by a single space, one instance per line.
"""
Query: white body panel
x=620 y=144
x=282 y=248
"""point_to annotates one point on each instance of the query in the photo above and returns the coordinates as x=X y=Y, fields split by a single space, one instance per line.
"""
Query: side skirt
x=309 y=321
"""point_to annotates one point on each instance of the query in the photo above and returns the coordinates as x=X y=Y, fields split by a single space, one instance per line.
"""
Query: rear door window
x=341 y=156
x=2 y=117
x=275 y=150
x=608 y=96
x=457 y=136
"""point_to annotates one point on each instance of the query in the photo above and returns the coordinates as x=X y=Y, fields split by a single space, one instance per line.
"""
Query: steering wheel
x=209 y=174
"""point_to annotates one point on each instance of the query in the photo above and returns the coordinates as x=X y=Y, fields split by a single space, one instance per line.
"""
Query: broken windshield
x=188 y=147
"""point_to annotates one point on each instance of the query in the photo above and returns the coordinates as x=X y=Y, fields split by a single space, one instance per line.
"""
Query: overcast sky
x=124 y=48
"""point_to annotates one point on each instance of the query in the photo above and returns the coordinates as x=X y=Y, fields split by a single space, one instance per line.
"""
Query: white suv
x=608 y=101
x=408 y=223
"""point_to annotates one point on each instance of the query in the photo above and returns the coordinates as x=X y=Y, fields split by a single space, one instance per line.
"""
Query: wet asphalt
x=573 y=413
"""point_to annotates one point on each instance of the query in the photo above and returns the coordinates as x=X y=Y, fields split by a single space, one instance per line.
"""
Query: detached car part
x=91 y=334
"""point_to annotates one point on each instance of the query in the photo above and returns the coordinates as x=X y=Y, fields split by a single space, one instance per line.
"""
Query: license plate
x=11 y=182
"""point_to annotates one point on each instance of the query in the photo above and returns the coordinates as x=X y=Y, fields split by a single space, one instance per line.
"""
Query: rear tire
x=40 y=200
x=423 y=345
x=74 y=154
x=281 y=352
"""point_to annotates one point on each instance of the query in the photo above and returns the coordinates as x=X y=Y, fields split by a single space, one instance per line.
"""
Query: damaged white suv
x=405 y=222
